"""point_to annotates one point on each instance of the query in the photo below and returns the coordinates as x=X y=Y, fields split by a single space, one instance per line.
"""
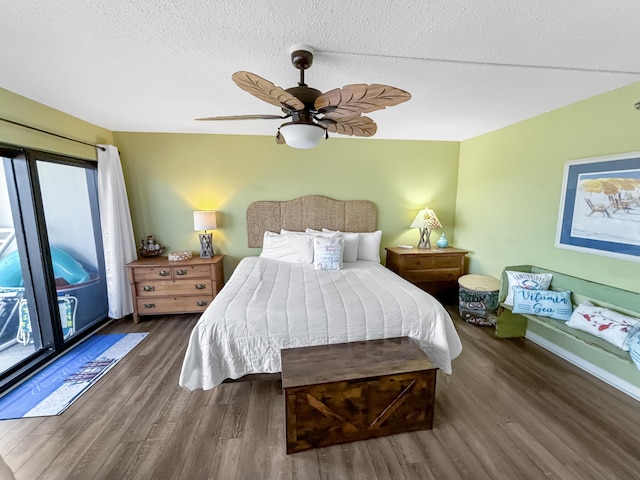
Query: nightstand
x=160 y=286
x=435 y=270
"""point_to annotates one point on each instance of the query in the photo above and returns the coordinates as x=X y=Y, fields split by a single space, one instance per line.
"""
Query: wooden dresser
x=159 y=286
x=435 y=270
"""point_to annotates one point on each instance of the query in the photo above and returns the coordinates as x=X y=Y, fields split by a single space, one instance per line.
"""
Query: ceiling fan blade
x=267 y=91
x=358 y=126
x=246 y=117
x=352 y=100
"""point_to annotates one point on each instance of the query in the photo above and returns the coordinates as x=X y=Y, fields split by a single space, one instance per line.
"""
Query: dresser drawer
x=449 y=261
x=162 y=305
x=141 y=274
x=192 y=271
x=424 y=276
x=411 y=262
x=163 y=288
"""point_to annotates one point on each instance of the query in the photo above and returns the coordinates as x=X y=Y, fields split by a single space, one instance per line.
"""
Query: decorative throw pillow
x=611 y=326
x=532 y=281
x=545 y=303
x=351 y=241
x=633 y=344
x=288 y=248
x=327 y=252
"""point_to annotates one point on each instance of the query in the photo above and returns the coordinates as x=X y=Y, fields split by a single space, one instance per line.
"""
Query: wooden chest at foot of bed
x=354 y=391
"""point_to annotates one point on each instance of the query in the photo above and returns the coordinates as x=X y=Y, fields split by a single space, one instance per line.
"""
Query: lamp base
x=206 y=245
x=425 y=238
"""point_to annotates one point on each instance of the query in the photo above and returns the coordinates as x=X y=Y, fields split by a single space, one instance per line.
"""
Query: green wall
x=22 y=110
x=501 y=189
x=510 y=181
x=170 y=175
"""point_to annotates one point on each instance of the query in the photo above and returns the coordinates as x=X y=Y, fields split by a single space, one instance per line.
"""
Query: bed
x=269 y=304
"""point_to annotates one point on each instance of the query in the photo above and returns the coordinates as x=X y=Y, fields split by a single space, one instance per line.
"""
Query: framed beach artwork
x=600 y=206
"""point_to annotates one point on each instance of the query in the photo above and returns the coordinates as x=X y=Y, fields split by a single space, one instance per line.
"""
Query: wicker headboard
x=313 y=211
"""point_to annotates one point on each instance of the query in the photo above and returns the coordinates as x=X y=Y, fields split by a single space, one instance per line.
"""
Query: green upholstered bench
x=555 y=333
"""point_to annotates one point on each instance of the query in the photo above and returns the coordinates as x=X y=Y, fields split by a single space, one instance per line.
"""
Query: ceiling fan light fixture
x=312 y=112
x=302 y=135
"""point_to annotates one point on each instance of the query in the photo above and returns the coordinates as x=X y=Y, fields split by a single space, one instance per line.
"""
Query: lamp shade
x=204 y=220
x=426 y=218
x=302 y=135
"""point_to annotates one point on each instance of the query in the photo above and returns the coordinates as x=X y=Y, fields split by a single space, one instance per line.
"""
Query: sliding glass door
x=52 y=282
x=69 y=199
x=18 y=340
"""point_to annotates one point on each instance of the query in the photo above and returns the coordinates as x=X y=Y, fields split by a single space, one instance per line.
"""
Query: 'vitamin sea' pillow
x=531 y=281
x=545 y=303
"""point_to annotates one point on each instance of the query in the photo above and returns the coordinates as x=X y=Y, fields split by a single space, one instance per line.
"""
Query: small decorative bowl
x=177 y=256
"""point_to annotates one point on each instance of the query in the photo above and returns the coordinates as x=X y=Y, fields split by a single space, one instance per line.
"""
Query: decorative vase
x=442 y=241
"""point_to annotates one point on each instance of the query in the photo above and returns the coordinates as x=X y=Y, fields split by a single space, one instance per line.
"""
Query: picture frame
x=600 y=206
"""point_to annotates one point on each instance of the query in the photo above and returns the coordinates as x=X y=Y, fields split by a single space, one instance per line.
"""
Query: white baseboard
x=589 y=367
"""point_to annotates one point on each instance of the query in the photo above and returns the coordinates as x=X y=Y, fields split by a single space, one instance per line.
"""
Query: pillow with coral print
x=611 y=326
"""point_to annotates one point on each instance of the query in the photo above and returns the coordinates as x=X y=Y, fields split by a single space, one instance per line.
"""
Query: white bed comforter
x=268 y=305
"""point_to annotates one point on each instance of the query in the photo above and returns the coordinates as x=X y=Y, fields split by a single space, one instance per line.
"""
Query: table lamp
x=205 y=220
x=425 y=220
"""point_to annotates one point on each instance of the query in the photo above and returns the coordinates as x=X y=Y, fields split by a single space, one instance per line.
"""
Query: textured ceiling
x=471 y=67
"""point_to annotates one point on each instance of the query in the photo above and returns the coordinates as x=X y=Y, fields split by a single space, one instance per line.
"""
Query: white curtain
x=117 y=231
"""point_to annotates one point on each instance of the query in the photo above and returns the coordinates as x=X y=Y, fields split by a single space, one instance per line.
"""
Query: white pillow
x=601 y=322
x=327 y=252
x=369 y=246
x=290 y=248
x=532 y=281
x=351 y=241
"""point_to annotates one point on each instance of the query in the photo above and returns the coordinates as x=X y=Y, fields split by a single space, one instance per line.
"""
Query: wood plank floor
x=511 y=410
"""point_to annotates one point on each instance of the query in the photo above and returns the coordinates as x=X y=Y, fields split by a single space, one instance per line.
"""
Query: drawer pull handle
x=148 y=288
x=164 y=273
x=200 y=286
x=149 y=305
x=202 y=303
x=181 y=272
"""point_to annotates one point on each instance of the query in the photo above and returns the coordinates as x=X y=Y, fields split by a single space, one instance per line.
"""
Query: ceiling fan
x=313 y=114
